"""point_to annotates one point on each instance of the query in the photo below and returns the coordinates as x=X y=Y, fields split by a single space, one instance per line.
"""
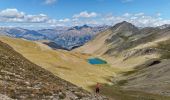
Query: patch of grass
x=125 y=38
x=130 y=44
x=117 y=93
x=122 y=82
x=165 y=49
x=129 y=72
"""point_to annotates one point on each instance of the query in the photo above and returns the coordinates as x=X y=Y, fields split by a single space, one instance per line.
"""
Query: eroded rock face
x=122 y=37
x=139 y=52
x=150 y=77
x=21 y=79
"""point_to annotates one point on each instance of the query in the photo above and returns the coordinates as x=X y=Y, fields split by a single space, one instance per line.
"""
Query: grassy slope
x=165 y=49
x=20 y=79
x=72 y=67
x=119 y=94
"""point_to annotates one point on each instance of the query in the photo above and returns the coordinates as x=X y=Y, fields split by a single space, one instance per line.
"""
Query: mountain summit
x=117 y=34
x=124 y=26
x=145 y=52
x=80 y=27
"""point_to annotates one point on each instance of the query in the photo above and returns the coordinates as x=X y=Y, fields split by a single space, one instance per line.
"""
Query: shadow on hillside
x=118 y=93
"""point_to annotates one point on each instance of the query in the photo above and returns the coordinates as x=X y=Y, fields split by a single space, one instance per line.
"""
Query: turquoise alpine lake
x=94 y=61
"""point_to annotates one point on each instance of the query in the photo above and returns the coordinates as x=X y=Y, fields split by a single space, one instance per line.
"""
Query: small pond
x=94 y=61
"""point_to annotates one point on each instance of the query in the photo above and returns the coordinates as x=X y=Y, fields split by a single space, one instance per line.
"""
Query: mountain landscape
x=78 y=35
x=65 y=37
x=84 y=50
x=21 y=33
x=21 y=79
x=136 y=65
x=145 y=51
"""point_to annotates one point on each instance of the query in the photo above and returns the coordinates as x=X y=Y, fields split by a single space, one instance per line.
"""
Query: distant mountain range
x=71 y=37
x=65 y=37
x=22 y=33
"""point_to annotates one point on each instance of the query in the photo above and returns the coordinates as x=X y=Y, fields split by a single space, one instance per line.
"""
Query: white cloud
x=139 y=19
x=11 y=13
x=127 y=15
x=64 y=20
x=36 y=18
x=139 y=14
x=52 y=21
x=158 y=14
x=85 y=14
x=48 y=2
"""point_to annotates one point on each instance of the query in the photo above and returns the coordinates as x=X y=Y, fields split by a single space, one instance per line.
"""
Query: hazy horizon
x=51 y=13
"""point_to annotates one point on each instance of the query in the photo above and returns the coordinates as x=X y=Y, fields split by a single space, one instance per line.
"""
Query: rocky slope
x=126 y=41
x=118 y=38
x=21 y=79
x=145 y=52
x=67 y=65
x=151 y=77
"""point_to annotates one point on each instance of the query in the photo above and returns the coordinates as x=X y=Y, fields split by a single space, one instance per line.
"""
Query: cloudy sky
x=51 y=13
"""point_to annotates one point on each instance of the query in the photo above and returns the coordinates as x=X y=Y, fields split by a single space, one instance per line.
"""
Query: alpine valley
x=65 y=63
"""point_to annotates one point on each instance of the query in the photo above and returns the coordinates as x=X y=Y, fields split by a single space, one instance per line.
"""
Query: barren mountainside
x=121 y=37
x=145 y=51
x=21 y=79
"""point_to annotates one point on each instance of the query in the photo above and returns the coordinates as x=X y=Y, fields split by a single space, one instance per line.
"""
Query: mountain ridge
x=144 y=51
x=66 y=37
x=123 y=35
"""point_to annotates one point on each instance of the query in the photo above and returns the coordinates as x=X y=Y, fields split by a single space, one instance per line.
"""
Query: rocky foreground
x=21 y=79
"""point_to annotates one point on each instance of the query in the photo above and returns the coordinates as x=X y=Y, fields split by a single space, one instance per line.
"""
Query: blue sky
x=51 y=13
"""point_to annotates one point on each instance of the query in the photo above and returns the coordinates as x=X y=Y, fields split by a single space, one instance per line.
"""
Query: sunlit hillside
x=145 y=52
x=70 y=66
